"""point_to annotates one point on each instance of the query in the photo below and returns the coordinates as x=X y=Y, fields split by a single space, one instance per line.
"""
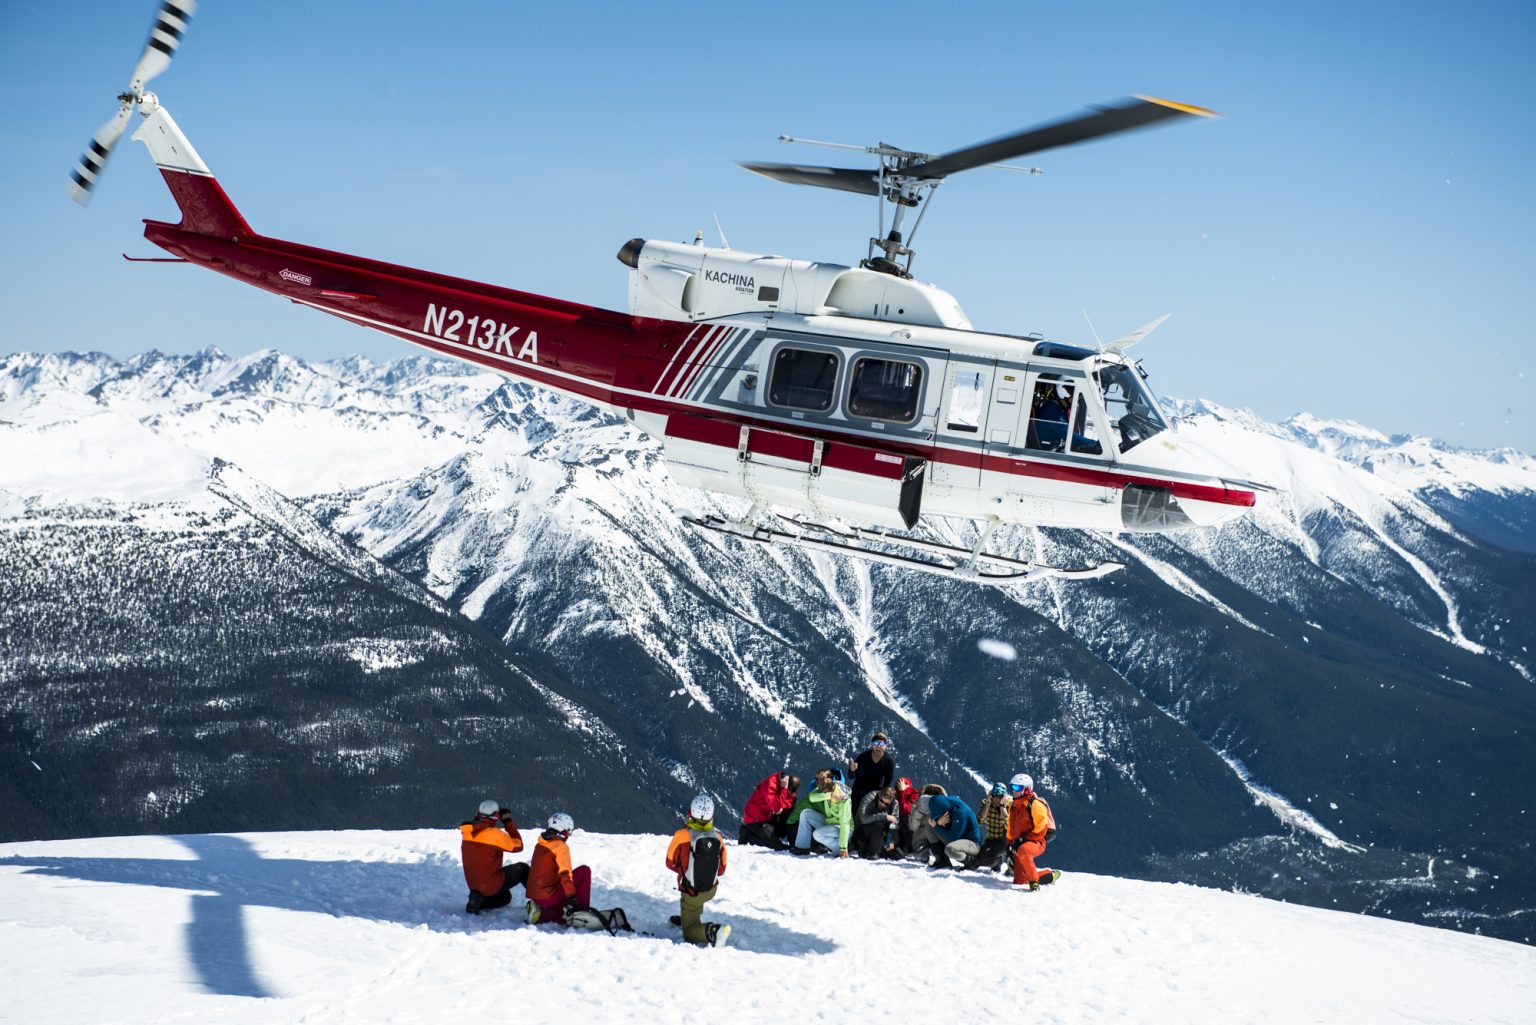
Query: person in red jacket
x=555 y=889
x=487 y=836
x=764 y=819
x=1030 y=827
x=906 y=797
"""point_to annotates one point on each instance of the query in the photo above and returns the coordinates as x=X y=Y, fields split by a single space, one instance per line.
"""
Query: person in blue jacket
x=957 y=831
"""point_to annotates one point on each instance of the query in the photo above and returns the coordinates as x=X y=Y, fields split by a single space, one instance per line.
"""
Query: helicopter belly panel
x=828 y=478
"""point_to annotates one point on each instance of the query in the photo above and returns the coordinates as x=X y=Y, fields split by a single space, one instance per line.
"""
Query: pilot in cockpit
x=1048 y=416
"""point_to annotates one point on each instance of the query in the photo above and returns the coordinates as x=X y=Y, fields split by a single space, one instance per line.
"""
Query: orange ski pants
x=1024 y=870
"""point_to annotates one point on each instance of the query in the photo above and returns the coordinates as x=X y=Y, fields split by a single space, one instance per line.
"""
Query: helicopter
x=843 y=403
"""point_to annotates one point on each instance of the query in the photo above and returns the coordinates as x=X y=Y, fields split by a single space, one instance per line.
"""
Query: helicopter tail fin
x=205 y=208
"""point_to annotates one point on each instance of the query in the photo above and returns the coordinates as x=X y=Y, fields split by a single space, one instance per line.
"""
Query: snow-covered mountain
x=367 y=927
x=359 y=594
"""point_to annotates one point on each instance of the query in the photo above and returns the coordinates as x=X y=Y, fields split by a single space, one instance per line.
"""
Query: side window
x=803 y=379
x=1049 y=407
x=968 y=392
x=884 y=389
x=1085 y=435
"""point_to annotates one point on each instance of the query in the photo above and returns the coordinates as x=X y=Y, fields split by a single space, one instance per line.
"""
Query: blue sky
x=1354 y=239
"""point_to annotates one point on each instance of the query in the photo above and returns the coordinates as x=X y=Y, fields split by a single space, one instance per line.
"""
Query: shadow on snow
x=230 y=876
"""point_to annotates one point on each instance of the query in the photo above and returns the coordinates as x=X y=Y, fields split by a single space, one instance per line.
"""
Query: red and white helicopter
x=841 y=393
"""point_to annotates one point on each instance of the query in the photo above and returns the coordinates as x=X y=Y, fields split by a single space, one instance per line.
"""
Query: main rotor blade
x=1126 y=115
x=170 y=22
x=847 y=179
x=91 y=163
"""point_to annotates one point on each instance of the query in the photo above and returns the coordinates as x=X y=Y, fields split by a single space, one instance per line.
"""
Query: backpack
x=1050 y=817
x=1050 y=822
x=704 y=851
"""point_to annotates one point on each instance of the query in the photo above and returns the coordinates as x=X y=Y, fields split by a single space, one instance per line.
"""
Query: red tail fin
x=205 y=209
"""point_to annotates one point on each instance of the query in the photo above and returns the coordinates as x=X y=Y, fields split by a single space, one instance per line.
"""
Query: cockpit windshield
x=1133 y=413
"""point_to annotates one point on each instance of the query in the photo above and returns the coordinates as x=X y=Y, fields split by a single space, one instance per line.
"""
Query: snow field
x=368 y=927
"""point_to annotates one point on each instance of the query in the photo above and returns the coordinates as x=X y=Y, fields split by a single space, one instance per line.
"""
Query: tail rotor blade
x=170 y=22
x=94 y=160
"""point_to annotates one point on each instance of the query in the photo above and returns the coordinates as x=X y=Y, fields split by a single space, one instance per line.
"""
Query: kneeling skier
x=1030 y=827
x=697 y=855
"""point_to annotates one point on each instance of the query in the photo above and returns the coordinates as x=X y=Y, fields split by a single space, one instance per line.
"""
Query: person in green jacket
x=792 y=820
x=825 y=815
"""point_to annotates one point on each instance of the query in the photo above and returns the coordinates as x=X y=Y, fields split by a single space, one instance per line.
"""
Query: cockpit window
x=1085 y=435
x=1133 y=415
x=1050 y=409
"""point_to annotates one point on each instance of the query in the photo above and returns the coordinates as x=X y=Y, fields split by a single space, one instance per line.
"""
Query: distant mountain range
x=261 y=593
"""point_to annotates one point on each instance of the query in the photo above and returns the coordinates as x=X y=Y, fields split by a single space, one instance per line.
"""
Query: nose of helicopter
x=1193 y=488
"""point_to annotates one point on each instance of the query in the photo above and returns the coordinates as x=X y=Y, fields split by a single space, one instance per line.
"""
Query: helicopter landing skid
x=859 y=543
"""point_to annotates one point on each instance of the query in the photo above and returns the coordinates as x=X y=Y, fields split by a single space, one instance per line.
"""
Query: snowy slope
x=1283 y=688
x=367 y=927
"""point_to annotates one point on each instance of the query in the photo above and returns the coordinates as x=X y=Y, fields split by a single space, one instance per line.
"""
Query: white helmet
x=490 y=808
x=1021 y=782
x=560 y=822
x=702 y=809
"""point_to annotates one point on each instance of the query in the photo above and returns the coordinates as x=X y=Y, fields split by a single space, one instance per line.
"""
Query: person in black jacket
x=875 y=824
x=873 y=769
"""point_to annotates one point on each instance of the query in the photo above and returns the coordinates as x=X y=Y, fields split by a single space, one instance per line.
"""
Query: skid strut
x=860 y=543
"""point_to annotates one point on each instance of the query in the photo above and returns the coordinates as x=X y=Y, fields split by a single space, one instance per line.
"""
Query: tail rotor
x=164 y=37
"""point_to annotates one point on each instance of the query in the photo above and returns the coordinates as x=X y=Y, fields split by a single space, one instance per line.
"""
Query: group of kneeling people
x=562 y=895
x=872 y=816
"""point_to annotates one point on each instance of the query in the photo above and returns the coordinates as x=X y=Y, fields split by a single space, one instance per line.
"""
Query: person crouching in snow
x=554 y=889
x=486 y=836
x=874 y=834
x=954 y=826
x=763 y=820
x=827 y=820
x=1030 y=827
x=697 y=855
x=994 y=814
x=906 y=798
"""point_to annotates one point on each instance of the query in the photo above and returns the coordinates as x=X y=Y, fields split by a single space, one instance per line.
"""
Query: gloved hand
x=1013 y=848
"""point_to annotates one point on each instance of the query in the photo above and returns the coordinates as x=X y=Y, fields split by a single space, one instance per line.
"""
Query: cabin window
x=967 y=396
x=803 y=379
x=885 y=389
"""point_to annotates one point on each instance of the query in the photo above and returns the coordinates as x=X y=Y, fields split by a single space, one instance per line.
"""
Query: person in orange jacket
x=697 y=855
x=486 y=837
x=1030 y=827
x=555 y=889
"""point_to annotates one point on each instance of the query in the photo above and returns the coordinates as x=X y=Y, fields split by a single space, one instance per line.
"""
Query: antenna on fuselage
x=1096 y=339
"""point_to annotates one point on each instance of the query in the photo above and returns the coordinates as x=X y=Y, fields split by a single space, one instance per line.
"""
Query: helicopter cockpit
x=1061 y=419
